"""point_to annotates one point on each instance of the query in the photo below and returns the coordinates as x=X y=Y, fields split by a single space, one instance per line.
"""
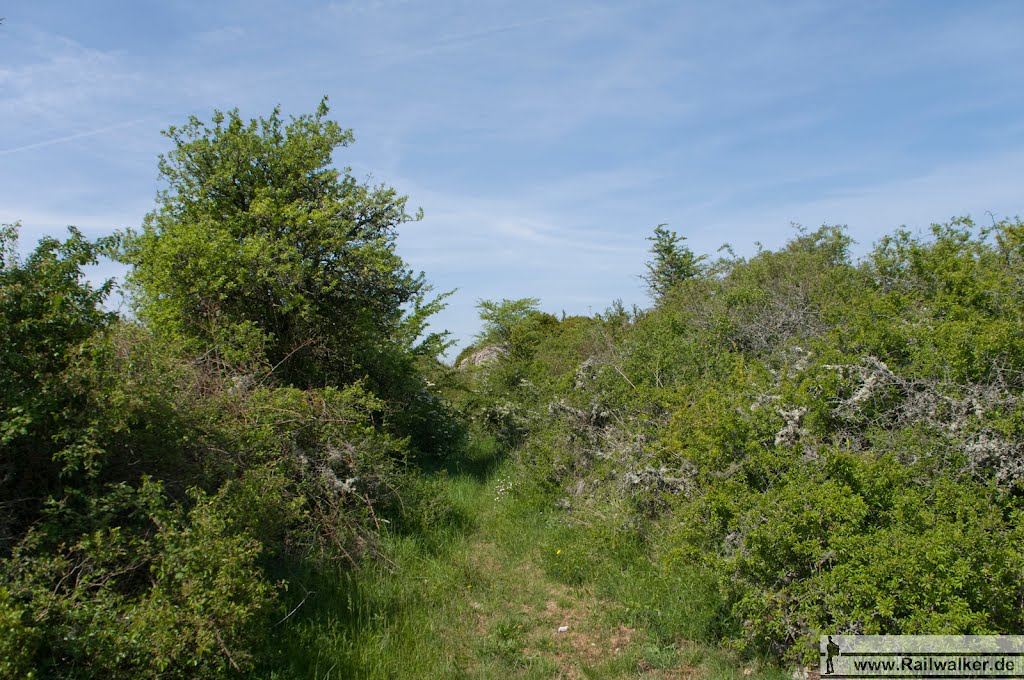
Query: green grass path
x=485 y=596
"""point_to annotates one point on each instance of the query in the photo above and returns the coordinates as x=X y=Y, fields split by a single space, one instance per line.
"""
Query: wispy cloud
x=57 y=79
x=546 y=140
x=72 y=137
x=447 y=42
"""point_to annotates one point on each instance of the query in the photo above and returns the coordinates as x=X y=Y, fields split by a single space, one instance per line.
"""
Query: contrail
x=456 y=39
x=68 y=138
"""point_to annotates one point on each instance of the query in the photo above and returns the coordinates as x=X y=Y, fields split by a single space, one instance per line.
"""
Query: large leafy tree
x=265 y=258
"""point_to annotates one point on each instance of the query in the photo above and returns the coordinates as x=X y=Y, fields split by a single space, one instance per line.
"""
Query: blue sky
x=543 y=140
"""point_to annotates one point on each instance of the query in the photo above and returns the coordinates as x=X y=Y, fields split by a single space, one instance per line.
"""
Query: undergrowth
x=485 y=597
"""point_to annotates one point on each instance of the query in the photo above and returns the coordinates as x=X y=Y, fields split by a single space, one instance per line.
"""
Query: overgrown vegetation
x=165 y=477
x=819 y=444
x=267 y=470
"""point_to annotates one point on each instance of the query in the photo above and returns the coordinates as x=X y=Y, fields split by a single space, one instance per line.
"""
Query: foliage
x=501 y=317
x=820 y=432
x=165 y=482
x=672 y=262
x=206 y=596
x=785 y=445
x=262 y=256
x=47 y=312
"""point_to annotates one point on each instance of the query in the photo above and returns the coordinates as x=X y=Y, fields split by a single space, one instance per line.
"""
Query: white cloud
x=59 y=81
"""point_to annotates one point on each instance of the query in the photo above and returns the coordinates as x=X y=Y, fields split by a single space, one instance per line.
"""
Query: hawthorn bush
x=838 y=441
x=168 y=481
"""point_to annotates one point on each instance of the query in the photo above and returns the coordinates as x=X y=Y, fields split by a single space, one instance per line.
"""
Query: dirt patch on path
x=566 y=630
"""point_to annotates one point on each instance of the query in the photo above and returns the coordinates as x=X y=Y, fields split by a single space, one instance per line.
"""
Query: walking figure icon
x=831 y=650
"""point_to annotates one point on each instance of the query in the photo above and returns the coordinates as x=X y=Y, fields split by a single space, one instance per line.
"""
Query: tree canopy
x=499 y=318
x=259 y=247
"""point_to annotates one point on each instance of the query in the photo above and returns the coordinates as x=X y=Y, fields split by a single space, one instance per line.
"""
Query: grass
x=485 y=598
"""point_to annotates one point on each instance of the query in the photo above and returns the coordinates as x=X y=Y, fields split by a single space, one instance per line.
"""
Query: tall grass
x=467 y=598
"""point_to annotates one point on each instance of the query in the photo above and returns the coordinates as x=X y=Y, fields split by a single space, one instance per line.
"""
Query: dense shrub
x=165 y=480
x=47 y=312
x=838 y=440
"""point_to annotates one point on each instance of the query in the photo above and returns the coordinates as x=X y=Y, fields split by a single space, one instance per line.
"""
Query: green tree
x=672 y=262
x=259 y=248
x=500 y=318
